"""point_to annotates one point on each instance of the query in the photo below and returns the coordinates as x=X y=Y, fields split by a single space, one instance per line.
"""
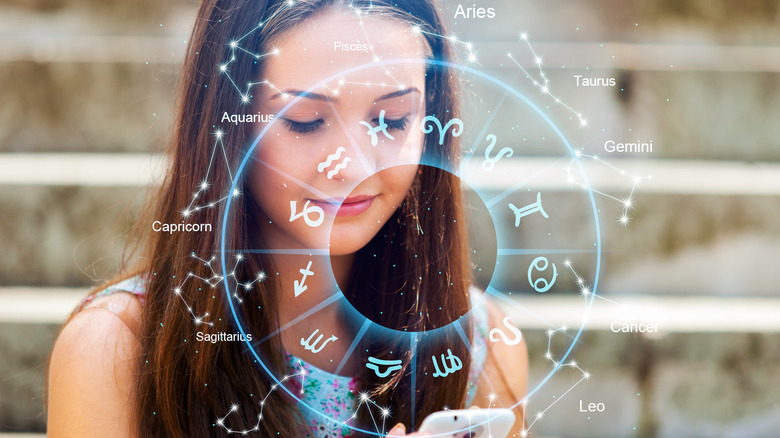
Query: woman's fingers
x=399 y=430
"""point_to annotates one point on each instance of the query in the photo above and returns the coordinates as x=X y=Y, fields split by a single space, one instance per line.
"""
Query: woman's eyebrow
x=398 y=93
x=307 y=95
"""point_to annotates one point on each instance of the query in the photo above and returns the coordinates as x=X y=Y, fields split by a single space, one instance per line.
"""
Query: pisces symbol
x=331 y=158
x=300 y=287
x=392 y=365
x=545 y=285
x=455 y=364
x=490 y=163
x=380 y=127
x=305 y=212
x=456 y=132
x=308 y=345
x=496 y=332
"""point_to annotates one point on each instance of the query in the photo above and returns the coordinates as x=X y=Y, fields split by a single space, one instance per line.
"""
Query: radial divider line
x=352 y=141
x=501 y=296
x=488 y=122
x=330 y=300
x=522 y=183
x=465 y=339
x=413 y=337
x=352 y=347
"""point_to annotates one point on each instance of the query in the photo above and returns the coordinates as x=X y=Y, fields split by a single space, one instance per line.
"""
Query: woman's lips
x=352 y=206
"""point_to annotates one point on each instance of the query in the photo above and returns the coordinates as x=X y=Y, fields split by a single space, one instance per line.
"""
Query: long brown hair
x=185 y=385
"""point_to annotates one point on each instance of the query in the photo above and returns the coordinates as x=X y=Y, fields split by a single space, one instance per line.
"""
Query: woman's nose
x=353 y=157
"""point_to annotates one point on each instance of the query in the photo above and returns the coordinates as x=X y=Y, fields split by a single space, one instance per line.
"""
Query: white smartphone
x=469 y=423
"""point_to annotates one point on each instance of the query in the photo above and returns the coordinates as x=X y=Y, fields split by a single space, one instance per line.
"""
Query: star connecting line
x=204 y=185
x=363 y=400
x=213 y=282
x=626 y=203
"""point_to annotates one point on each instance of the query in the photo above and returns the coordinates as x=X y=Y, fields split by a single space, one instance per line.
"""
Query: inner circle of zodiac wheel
x=512 y=158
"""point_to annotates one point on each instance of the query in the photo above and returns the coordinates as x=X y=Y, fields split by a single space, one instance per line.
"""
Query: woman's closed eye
x=394 y=124
x=303 y=127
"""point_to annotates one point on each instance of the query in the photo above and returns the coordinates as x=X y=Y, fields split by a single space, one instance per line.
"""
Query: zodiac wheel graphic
x=512 y=158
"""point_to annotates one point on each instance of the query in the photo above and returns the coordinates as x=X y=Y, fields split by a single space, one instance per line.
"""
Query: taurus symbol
x=490 y=163
x=392 y=365
x=308 y=345
x=455 y=364
x=496 y=332
x=305 y=212
x=456 y=132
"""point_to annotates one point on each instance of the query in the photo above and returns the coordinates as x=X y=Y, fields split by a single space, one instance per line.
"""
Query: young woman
x=345 y=252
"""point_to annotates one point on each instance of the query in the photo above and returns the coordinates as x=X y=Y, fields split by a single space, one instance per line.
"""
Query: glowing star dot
x=234 y=408
x=276 y=51
x=245 y=98
x=385 y=412
x=234 y=44
x=177 y=291
x=583 y=122
x=538 y=60
x=363 y=396
x=624 y=220
x=236 y=192
x=416 y=29
x=219 y=133
x=204 y=185
x=586 y=375
x=627 y=203
x=472 y=57
x=223 y=67
x=524 y=36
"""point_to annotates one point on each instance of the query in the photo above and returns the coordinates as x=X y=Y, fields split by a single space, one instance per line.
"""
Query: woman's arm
x=92 y=373
x=505 y=376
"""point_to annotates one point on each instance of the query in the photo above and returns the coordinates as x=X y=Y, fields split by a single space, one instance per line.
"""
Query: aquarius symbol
x=331 y=158
x=529 y=209
x=307 y=345
x=306 y=212
x=300 y=287
x=392 y=365
x=496 y=332
x=456 y=132
x=546 y=285
x=490 y=163
x=380 y=127
x=455 y=364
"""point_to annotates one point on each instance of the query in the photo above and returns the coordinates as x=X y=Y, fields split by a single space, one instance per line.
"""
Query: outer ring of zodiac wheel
x=539 y=264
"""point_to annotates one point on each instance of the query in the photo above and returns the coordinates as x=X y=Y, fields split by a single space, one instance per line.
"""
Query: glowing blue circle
x=463 y=68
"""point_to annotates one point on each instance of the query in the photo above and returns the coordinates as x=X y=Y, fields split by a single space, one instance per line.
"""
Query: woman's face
x=320 y=153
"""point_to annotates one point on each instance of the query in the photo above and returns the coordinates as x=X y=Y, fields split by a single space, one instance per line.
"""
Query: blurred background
x=86 y=91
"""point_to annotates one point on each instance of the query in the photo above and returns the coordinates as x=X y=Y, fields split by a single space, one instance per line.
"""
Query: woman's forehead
x=337 y=41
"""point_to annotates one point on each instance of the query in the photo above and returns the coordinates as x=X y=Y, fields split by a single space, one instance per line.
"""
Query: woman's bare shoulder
x=93 y=370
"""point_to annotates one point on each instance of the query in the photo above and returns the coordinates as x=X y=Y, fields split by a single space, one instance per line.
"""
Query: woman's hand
x=400 y=430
